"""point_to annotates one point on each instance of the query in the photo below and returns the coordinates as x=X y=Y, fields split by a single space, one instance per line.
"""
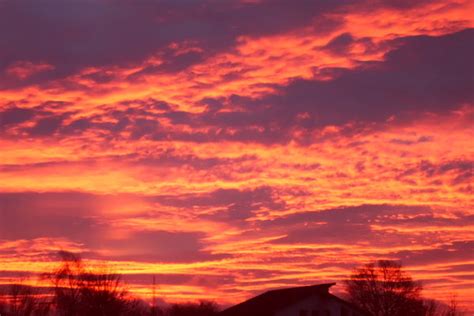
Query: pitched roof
x=268 y=303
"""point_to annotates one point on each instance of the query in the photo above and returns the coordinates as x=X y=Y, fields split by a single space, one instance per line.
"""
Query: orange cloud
x=272 y=159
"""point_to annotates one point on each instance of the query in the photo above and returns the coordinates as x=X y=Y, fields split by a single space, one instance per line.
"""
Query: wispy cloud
x=232 y=148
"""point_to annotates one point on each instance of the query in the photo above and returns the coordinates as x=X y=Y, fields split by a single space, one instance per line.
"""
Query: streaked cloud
x=230 y=148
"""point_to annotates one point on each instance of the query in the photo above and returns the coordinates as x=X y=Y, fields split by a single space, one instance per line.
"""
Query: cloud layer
x=228 y=149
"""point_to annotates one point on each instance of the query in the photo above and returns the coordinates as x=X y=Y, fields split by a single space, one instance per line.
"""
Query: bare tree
x=382 y=288
x=431 y=308
x=23 y=300
x=436 y=308
x=453 y=308
x=81 y=291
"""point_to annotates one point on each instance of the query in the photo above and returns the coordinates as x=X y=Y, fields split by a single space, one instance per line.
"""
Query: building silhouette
x=312 y=300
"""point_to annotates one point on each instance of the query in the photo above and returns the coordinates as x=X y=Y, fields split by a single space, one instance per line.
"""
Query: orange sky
x=233 y=148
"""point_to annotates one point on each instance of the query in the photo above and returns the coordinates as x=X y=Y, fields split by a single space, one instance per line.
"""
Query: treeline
x=381 y=288
x=75 y=290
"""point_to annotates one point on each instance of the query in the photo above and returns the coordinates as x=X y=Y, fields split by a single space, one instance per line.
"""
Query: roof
x=268 y=303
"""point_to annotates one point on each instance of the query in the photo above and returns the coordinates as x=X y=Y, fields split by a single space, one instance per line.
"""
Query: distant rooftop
x=268 y=303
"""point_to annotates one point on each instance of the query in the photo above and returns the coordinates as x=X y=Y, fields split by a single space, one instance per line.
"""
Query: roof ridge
x=328 y=285
x=277 y=298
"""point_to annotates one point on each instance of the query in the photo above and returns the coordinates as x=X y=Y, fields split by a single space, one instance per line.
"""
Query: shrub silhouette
x=203 y=308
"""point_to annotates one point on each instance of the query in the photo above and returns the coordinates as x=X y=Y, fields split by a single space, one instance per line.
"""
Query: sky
x=231 y=147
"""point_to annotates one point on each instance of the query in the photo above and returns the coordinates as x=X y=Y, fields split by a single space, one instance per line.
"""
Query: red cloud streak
x=229 y=149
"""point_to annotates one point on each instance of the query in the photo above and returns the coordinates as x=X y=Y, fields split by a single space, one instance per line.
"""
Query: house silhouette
x=314 y=300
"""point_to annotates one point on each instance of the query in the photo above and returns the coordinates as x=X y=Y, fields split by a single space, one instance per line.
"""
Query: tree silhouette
x=384 y=289
x=452 y=309
x=23 y=300
x=81 y=291
x=77 y=290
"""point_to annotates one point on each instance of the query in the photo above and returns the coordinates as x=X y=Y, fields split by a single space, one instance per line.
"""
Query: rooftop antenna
x=153 y=299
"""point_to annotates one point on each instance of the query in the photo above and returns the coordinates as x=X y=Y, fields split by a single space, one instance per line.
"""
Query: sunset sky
x=230 y=147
